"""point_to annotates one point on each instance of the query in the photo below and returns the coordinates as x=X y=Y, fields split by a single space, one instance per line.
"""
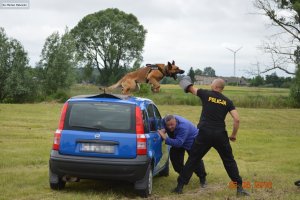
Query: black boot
x=178 y=189
x=241 y=192
x=203 y=182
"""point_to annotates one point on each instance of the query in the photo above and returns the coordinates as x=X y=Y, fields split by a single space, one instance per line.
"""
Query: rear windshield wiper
x=88 y=127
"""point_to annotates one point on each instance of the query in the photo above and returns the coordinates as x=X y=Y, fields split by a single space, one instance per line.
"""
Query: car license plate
x=98 y=148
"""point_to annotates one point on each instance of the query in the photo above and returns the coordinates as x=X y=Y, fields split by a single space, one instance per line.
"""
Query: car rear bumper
x=99 y=168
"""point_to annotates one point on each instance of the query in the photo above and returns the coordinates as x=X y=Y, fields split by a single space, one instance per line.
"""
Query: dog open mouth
x=175 y=74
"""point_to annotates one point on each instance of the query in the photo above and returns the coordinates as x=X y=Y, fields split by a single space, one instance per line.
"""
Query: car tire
x=166 y=170
x=148 y=182
x=56 y=182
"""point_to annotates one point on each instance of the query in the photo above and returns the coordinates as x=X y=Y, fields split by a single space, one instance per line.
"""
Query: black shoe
x=178 y=189
x=203 y=183
x=241 y=192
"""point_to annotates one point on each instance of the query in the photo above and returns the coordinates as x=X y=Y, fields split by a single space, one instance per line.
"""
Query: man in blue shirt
x=181 y=136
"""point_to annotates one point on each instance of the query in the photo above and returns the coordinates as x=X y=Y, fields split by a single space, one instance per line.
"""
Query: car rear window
x=108 y=117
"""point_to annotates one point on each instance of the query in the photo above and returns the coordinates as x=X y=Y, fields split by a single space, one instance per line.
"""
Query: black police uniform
x=212 y=133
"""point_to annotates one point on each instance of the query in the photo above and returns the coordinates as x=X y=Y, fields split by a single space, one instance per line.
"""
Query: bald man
x=212 y=132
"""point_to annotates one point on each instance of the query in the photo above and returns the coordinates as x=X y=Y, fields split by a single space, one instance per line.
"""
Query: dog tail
x=112 y=87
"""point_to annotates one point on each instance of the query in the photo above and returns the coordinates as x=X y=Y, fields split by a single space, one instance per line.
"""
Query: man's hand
x=185 y=83
x=232 y=138
x=163 y=134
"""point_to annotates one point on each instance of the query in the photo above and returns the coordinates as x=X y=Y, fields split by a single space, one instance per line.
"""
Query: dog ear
x=169 y=66
x=173 y=63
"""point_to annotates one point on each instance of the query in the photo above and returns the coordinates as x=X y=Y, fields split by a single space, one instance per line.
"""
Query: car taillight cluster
x=141 y=146
x=56 y=140
x=57 y=133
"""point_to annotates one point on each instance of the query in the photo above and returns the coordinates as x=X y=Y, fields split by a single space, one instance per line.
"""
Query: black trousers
x=210 y=137
x=177 y=160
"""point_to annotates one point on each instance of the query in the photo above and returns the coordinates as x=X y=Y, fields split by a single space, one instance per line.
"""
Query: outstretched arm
x=187 y=85
x=236 y=123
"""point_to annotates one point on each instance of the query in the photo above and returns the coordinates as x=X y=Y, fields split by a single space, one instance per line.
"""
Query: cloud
x=191 y=32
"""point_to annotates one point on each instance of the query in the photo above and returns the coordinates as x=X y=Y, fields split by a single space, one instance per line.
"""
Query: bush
x=295 y=96
x=144 y=90
x=295 y=89
x=60 y=96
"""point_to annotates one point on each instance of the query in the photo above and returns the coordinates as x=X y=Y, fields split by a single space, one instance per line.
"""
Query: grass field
x=267 y=150
x=246 y=97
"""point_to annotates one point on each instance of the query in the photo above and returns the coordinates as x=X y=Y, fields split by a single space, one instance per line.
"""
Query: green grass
x=245 y=97
x=267 y=150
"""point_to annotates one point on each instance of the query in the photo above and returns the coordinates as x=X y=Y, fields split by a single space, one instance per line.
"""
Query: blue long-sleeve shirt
x=184 y=133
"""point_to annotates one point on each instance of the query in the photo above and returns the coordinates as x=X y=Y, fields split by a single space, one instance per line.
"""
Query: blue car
x=108 y=137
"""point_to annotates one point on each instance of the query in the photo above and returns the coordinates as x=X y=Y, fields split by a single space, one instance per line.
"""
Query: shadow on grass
x=115 y=189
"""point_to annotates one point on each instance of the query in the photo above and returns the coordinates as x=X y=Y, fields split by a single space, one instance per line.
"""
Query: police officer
x=181 y=136
x=212 y=132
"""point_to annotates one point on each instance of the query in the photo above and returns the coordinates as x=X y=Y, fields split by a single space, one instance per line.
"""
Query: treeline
x=109 y=41
x=52 y=76
x=271 y=80
x=18 y=82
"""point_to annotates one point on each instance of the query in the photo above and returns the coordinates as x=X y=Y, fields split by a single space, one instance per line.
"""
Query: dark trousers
x=210 y=137
x=177 y=160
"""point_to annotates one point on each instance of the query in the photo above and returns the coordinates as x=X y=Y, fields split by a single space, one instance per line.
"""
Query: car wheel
x=165 y=171
x=56 y=182
x=149 y=181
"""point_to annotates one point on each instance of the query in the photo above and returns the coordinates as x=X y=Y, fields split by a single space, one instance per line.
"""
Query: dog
x=151 y=74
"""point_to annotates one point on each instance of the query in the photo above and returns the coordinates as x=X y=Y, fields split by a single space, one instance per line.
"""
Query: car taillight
x=57 y=133
x=141 y=146
x=56 y=141
x=63 y=116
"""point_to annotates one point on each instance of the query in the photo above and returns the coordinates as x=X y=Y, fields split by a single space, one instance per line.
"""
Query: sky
x=193 y=33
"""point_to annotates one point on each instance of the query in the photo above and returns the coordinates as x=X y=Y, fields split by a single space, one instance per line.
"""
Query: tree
x=111 y=40
x=57 y=63
x=198 y=72
x=16 y=80
x=4 y=61
x=136 y=65
x=274 y=80
x=284 y=46
x=209 y=71
x=19 y=85
x=257 y=81
x=295 y=88
x=191 y=73
x=88 y=71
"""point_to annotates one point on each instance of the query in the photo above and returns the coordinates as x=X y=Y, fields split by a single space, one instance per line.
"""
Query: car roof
x=104 y=97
